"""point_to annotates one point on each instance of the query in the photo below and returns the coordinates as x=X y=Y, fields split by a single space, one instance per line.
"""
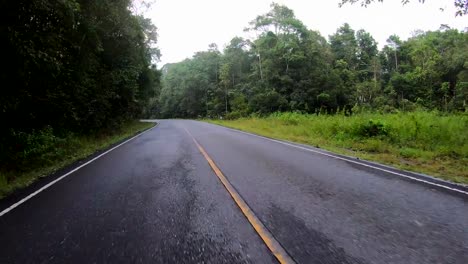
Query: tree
x=191 y=88
x=461 y=6
x=344 y=45
x=73 y=66
x=288 y=67
x=394 y=43
x=367 y=51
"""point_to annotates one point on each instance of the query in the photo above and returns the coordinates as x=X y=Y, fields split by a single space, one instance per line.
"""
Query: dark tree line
x=289 y=67
x=72 y=66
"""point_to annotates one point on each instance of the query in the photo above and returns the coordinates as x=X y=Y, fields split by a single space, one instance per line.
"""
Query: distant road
x=156 y=199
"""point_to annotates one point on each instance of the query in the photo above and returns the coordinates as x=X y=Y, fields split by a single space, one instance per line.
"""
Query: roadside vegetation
x=404 y=104
x=73 y=70
x=287 y=67
x=434 y=143
x=44 y=153
x=74 y=75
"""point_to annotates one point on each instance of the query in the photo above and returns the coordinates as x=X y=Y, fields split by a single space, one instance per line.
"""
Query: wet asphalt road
x=156 y=200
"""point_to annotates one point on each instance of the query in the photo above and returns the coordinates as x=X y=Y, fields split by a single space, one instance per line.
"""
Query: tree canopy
x=289 y=67
x=461 y=6
x=73 y=66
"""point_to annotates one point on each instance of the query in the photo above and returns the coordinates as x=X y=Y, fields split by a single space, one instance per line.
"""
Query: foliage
x=461 y=6
x=289 y=67
x=372 y=129
x=70 y=67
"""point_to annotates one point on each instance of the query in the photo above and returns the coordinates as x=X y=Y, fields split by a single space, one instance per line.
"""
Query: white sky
x=188 y=26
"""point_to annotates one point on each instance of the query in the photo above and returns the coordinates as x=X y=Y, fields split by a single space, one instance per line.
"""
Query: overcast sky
x=188 y=26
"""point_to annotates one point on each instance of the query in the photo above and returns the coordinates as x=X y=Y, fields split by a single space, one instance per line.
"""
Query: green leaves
x=72 y=66
x=288 y=67
x=461 y=6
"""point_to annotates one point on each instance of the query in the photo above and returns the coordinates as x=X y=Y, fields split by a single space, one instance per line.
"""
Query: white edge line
x=352 y=161
x=13 y=206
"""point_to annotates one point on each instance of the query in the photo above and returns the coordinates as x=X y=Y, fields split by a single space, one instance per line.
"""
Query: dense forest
x=288 y=67
x=71 y=67
x=76 y=68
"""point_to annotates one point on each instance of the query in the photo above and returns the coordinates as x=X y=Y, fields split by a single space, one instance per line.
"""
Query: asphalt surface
x=156 y=200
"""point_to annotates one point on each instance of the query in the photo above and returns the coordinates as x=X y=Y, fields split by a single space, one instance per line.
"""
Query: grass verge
x=425 y=142
x=56 y=153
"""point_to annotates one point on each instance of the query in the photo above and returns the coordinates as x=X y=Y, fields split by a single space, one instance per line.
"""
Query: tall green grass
x=428 y=142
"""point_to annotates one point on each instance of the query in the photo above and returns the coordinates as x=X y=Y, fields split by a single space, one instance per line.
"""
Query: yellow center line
x=275 y=247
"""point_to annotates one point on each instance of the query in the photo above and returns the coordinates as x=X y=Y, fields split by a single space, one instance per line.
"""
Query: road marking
x=275 y=247
x=352 y=161
x=13 y=206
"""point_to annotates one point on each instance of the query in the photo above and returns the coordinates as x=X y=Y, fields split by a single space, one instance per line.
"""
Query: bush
x=372 y=129
x=233 y=115
x=36 y=147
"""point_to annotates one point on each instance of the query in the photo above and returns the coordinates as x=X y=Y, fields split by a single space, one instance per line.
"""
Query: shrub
x=372 y=129
x=33 y=148
x=233 y=115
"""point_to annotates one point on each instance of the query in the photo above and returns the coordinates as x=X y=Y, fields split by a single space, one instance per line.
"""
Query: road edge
x=20 y=196
x=403 y=174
